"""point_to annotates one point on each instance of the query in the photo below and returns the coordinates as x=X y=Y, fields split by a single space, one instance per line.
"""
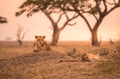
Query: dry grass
x=13 y=49
x=19 y=62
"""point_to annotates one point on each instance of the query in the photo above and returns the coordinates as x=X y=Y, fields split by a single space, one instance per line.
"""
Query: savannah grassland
x=63 y=62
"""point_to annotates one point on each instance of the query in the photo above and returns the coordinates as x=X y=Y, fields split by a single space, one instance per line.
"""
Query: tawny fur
x=90 y=57
x=40 y=44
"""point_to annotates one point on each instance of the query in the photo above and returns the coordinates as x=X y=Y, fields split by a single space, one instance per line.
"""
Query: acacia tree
x=46 y=6
x=99 y=9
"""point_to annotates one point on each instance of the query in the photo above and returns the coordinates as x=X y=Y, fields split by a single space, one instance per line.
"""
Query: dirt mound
x=34 y=57
x=47 y=65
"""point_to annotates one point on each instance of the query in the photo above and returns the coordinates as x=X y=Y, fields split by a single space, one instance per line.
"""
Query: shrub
x=73 y=53
x=118 y=48
x=102 y=51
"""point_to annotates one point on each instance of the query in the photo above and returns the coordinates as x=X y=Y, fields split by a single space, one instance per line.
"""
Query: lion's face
x=41 y=44
x=40 y=40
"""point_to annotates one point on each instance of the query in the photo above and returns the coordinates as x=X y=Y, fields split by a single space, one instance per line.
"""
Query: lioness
x=40 y=44
x=90 y=57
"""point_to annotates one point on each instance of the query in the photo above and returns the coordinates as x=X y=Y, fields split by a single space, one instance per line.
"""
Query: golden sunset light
x=39 y=24
x=59 y=39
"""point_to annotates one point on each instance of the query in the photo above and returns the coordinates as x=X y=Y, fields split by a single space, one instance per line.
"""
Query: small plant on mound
x=102 y=51
x=118 y=49
x=73 y=53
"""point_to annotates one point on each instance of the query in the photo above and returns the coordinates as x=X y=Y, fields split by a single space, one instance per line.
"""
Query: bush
x=102 y=51
x=73 y=53
x=118 y=49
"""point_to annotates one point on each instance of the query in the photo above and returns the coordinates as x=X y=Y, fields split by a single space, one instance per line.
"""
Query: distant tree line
x=98 y=9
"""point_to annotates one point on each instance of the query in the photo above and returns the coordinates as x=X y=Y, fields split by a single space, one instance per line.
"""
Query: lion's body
x=40 y=44
x=91 y=57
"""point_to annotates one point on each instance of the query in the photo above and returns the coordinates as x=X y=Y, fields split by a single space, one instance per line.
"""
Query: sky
x=38 y=24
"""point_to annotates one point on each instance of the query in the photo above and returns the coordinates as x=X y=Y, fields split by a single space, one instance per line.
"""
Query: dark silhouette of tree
x=111 y=41
x=20 y=34
x=3 y=20
x=46 y=6
x=99 y=9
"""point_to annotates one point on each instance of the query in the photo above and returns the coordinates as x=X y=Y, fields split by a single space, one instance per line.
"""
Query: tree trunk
x=94 y=38
x=20 y=42
x=55 y=36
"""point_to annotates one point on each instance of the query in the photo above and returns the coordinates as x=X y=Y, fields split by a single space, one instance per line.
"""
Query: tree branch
x=95 y=17
x=71 y=24
x=68 y=20
x=77 y=11
x=104 y=2
x=117 y=5
x=50 y=18
x=60 y=16
x=98 y=7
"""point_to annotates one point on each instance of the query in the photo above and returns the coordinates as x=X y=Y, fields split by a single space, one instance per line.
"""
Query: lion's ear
x=44 y=37
x=36 y=36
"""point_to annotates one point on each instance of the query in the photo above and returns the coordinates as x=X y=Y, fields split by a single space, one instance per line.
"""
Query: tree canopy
x=46 y=6
x=98 y=9
x=3 y=20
